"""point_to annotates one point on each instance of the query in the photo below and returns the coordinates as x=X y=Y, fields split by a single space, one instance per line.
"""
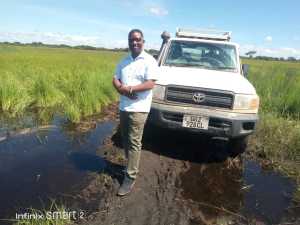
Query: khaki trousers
x=132 y=128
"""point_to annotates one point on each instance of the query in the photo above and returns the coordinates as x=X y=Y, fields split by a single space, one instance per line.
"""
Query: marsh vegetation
x=278 y=135
x=76 y=83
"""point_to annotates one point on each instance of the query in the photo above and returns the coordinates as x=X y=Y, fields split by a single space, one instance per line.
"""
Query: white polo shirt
x=132 y=72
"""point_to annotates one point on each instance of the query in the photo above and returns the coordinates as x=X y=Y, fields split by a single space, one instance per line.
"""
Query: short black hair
x=135 y=31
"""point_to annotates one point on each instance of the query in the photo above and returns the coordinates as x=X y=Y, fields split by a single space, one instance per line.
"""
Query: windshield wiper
x=225 y=68
x=186 y=65
x=178 y=64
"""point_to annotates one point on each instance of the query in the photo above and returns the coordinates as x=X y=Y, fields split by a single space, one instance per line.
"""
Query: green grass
x=278 y=85
x=76 y=83
x=13 y=96
x=277 y=137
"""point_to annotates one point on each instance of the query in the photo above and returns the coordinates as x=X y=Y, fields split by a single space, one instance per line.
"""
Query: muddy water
x=223 y=191
x=59 y=161
x=48 y=162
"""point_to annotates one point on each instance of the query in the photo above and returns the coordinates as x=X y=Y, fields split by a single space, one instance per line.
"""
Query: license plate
x=198 y=122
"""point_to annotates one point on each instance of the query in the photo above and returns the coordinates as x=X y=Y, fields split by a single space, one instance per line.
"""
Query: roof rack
x=204 y=34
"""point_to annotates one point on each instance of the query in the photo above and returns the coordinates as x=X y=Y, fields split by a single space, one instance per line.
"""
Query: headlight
x=246 y=102
x=159 y=92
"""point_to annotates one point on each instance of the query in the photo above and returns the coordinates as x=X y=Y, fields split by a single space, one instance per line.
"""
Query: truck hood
x=212 y=79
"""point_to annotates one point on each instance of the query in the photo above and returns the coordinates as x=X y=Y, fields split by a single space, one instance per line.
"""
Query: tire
x=237 y=146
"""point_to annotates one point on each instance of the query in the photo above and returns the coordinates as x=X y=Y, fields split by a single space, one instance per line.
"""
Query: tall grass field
x=74 y=82
x=278 y=85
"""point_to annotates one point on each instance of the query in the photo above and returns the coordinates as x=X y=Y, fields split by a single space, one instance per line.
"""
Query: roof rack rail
x=207 y=34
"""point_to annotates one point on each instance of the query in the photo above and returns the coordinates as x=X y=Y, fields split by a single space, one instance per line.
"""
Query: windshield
x=203 y=55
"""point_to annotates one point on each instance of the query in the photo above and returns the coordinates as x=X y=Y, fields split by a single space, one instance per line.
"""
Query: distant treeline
x=151 y=51
x=83 y=47
x=268 y=58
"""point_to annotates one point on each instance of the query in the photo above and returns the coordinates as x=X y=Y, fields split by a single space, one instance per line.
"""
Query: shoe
x=126 y=186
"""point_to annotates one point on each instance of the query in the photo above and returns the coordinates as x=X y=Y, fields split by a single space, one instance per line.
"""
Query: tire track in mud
x=169 y=211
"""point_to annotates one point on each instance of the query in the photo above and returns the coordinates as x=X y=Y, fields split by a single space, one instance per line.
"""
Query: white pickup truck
x=202 y=87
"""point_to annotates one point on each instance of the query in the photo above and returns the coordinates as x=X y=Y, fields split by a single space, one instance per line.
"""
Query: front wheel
x=237 y=145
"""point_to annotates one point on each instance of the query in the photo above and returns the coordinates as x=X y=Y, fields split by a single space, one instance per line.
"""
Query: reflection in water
x=213 y=187
x=84 y=161
x=220 y=190
x=55 y=161
x=239 y=190
x=270 y=194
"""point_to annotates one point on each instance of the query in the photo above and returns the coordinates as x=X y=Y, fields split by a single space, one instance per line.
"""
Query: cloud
x=158 y=11
x=68 y=39
x=272 y=52
x=268 y=39
x=49 y=38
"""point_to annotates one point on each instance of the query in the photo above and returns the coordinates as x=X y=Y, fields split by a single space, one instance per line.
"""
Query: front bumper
x=221 y=123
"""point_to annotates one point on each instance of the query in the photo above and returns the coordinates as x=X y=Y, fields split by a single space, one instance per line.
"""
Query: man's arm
x=117 y=84
x=130 y=90
x=147 y=85
x=123 y=90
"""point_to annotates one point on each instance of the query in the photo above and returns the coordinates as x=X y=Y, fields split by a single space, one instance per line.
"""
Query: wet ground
x=57 y=161
x=184 y=178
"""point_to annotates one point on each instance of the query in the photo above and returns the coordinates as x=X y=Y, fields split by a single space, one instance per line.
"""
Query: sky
x=269 y=27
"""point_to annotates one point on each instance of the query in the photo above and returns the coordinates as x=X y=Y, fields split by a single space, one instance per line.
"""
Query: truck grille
x=197 y=96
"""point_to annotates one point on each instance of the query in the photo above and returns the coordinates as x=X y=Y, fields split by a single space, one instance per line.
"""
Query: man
x=134 y=79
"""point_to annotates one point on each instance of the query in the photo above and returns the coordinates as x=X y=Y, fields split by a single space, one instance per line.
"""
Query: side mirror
x=245 y=69
x=155 y=56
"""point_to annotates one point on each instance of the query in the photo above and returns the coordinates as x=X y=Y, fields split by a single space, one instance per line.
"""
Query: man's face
x=136 y=43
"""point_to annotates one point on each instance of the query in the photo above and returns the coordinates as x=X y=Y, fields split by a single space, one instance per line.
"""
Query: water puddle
x=38 y=164
x=59 y=162
x=236 y=190
x=221 y=190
